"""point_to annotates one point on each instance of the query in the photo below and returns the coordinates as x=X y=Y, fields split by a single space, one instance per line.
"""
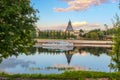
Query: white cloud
x=79 y=5
x=79 y=24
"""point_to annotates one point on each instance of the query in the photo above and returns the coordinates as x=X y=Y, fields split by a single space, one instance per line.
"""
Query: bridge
x=94 y=43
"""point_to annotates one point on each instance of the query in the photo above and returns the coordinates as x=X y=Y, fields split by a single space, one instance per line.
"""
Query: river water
x=50 y=60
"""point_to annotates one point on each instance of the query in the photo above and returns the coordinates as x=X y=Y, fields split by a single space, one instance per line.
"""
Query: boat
x=57 y=44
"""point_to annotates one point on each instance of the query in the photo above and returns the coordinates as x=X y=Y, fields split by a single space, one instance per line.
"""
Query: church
x=69 y=27
x=71 y=30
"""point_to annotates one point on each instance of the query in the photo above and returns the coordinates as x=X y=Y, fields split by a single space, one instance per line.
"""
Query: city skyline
x=84 y=14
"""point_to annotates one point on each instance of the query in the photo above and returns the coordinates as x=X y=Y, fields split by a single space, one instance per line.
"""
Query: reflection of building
x=69 y=57
x=69 y=27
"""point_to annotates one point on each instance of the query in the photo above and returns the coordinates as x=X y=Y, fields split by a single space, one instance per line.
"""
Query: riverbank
x=71 y=75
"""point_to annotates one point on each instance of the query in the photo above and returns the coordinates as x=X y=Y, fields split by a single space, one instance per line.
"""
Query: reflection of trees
x=94 y=50
x=16 y=53
x=32 y=50
x=41 y=50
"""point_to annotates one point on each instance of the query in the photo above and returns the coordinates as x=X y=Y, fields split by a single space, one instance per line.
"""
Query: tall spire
x=69 y=27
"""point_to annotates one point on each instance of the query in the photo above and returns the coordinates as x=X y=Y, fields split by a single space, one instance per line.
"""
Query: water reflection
x=82 y=51
x=43 y=60
x=13 y=62
x=96 y=51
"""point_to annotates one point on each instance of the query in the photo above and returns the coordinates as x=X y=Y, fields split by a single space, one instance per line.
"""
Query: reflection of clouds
x=13 y=62
x=75 y=67
x=83 y=53
x=77 y=54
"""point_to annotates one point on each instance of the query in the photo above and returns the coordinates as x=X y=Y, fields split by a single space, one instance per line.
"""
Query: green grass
x=71 y=75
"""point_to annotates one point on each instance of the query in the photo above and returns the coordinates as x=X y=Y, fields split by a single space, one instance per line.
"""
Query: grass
x=71 y=75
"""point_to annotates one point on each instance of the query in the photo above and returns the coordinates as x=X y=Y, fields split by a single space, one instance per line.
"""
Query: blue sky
x=84 y=14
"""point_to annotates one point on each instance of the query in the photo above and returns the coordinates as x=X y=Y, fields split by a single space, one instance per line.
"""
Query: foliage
x=17 y=20
x=116 y=48
x=52 y=34
x=71 y=75
x=110 y=31
x=98 y=34
x=81 y=33
x=94 y=34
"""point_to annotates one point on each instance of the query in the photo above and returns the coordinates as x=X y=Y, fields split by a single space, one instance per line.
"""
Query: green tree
x=81 y=32
x=106 y=27
x=93 y=35
x=17 y=20
x=116 y=48
x=100 y=35
x=116 y=38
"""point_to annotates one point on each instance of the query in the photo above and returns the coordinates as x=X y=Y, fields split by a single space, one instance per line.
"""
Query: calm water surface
x=47 y=61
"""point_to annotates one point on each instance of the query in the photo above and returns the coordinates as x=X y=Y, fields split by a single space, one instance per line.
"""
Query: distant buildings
x=69 y=32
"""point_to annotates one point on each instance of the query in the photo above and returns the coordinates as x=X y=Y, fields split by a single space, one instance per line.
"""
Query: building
x=71 y=31
x=69 y=27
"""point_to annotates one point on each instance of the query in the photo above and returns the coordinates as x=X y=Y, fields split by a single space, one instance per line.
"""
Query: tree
x=94 y=35
x=100 y=35
x=81 y=32
x=106 y=27
x=17 y=20
x=117 y=35
x=116 y=48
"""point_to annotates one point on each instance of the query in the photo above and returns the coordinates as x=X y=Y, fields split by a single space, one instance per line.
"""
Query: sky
x=84 y=14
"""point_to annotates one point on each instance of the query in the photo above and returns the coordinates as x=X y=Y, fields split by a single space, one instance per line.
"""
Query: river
x=47 y=61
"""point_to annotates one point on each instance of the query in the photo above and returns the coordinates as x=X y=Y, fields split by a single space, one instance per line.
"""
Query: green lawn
x=71 y=75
